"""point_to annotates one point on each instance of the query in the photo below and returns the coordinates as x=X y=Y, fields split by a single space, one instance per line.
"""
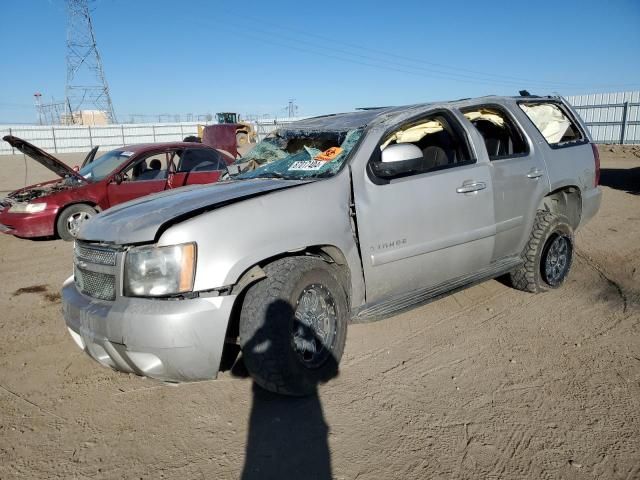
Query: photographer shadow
x=287 y=436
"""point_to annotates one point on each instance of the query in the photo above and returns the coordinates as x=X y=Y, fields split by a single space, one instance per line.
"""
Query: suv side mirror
x=118 y=178
x=398 y=159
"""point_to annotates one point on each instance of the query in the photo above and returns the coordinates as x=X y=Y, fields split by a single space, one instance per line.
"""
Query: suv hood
x=139 y=221
x=42 y=157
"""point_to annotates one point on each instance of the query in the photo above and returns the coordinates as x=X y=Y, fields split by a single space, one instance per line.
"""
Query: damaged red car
x=57 y=208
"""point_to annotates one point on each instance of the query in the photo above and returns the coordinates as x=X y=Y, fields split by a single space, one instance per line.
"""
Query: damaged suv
x=336 y=219
x=58 y=207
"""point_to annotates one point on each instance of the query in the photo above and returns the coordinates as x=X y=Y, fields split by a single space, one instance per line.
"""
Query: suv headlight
x=159 y=271
x=27 y=207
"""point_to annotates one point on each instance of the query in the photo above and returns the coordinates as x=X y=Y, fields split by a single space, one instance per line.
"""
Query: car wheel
x=547 y=256
x=242 y=138
x=293 y=325
x=70 y=220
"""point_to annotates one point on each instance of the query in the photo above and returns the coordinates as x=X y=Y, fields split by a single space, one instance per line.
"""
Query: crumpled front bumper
x=170 y=340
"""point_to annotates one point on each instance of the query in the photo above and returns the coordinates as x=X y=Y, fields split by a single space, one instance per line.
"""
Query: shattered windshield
x=297 y=154
x=101 y=167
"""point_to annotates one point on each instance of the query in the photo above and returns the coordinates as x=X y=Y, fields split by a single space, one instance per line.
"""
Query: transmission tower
x=292 y=108
x=86 y=86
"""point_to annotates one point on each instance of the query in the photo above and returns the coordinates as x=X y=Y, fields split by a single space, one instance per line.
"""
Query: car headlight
x=27 y=207
x=159 y=271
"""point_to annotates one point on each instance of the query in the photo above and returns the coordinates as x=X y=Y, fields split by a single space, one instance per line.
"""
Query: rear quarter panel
x=566 y=166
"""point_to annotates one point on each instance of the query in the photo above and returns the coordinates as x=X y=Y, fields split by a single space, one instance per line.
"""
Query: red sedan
x=58 y=208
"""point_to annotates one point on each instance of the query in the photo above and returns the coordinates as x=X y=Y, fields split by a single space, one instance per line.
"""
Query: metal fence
x=81 y=138
x=610 y=117
x=266 y=126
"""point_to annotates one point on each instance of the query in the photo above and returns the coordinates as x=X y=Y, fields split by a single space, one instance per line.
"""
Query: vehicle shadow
x=626 y=179
x=287 y=436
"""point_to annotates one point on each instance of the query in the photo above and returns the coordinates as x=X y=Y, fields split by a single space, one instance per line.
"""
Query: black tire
x=543 y=267
x=71 y=217
x=282 y=353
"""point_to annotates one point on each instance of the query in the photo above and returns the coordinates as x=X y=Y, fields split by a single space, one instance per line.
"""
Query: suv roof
x=367 y=116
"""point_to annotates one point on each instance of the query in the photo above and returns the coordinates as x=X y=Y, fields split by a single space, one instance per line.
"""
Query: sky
x=199 y=56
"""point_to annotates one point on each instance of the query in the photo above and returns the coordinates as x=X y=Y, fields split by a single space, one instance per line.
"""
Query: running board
x=404 y=301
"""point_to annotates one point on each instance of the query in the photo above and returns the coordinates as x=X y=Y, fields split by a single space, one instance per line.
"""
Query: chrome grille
x=91 y=254
x=95 y=270
x=95 y=284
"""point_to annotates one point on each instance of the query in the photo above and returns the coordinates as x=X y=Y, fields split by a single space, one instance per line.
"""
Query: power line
x=376 y=63
x=401 y=61
x=16 y=105
x=398 y=61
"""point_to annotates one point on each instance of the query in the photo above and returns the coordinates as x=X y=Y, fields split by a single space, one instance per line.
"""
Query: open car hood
x=42 y=157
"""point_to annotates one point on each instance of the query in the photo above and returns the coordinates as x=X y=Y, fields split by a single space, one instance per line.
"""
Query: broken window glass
x=551 y=121
x=502 y=138
x=301 y=154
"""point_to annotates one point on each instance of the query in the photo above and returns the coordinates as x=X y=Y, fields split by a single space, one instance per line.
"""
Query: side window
x=552 y=122
x=151 y=167
x=502 y=137
x=440 y=144
x=200 y=160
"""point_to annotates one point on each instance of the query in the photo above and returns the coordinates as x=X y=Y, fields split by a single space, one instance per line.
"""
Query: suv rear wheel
x=547 y=256
x=293 y=325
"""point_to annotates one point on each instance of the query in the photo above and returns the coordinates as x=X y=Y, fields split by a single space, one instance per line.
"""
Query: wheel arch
x=329 y=253
x=566 y=201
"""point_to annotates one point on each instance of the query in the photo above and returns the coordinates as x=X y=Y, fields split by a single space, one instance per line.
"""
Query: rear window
x=502 y=138
x=553 y=122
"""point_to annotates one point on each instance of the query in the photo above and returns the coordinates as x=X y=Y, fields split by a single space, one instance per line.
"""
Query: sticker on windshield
x=329 y=154
x=306 y=165
x=126 y=154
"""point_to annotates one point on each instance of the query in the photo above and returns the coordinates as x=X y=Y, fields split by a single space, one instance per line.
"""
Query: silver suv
x=332 y=220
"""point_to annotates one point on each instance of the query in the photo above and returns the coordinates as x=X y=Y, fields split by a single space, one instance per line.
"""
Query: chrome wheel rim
x=314 y=325
x=556 y=261
x=75 y=221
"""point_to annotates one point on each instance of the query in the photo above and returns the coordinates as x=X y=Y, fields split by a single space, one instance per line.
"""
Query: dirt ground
x=487 y=383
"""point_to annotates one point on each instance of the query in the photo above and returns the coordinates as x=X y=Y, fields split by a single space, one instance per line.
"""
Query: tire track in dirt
x=589 y=261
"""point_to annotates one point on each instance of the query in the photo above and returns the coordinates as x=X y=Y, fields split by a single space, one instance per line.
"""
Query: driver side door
x=143 y=176
x=432 y=225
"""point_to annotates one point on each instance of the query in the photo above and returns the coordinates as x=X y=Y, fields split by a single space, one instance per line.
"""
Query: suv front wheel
x=293 y=325
x=547 y=255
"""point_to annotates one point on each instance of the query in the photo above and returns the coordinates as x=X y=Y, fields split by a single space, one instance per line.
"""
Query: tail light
x=596 y=158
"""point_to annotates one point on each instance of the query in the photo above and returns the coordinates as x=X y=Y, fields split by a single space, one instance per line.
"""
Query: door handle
x=471 y=187
x=535 y=173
